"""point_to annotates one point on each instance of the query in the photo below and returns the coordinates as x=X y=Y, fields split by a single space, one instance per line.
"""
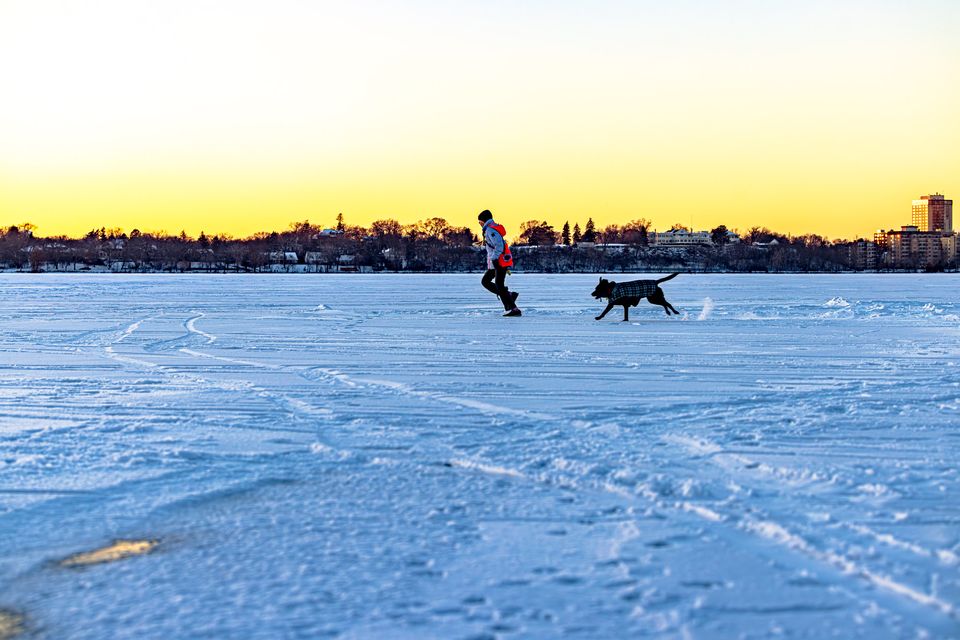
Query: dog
x=629 y=294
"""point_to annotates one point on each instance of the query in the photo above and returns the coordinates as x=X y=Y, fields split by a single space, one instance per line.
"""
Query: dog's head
x=603 y=289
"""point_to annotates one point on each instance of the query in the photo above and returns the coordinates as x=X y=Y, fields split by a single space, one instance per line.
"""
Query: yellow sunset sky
x=245 y=115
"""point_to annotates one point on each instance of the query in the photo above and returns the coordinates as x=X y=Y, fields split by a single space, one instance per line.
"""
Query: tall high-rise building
x=932 y=213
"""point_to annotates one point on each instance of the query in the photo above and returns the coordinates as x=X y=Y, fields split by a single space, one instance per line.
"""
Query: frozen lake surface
x=367 y=456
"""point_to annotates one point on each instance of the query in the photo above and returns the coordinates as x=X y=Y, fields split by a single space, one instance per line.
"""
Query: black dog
x=629 y=294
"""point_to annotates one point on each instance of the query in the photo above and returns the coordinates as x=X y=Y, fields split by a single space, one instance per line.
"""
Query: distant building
x=672 y=238
x=932 y=213
x=862 y=255
x=679 y=238
x=929 y=241
x=283 y=257
x=911 y=248
x=684 y=238
x=613 y=247
x=732 y=237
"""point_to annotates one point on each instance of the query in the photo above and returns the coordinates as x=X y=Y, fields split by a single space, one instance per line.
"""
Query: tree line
x=430 y=245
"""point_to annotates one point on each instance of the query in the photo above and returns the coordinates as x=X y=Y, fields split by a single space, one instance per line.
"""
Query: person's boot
x=513 y=313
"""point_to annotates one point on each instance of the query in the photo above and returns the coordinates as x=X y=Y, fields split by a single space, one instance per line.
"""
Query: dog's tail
x=669 y=277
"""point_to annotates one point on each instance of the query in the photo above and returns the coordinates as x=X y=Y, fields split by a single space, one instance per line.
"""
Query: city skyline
x=821 y=119
x=940 y=210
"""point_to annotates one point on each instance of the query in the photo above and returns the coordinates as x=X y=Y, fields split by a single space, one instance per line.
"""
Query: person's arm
x=494 y=241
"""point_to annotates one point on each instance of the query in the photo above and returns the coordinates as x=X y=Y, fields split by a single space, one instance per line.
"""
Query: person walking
x=499 y=260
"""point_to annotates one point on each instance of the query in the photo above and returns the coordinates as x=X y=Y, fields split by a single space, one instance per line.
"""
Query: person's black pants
x=493 y=281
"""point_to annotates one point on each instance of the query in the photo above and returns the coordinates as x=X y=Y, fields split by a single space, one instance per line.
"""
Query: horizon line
x=118 y=231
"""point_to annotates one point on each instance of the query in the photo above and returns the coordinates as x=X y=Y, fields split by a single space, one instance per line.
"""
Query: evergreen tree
x=340 y=222
x=576 y=233
x=565 y=234
x=589 y=231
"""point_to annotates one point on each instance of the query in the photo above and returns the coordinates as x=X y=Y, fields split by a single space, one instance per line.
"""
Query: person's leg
x=487 y=282
x=502 y=290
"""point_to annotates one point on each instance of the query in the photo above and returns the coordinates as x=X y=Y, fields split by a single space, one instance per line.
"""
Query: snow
x=385 y=456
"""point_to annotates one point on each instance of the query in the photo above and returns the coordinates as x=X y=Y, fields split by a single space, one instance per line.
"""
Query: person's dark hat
x=485 y=215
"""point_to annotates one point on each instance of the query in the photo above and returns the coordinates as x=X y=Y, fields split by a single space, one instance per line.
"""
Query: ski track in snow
x=402 y=462
x=191 y=326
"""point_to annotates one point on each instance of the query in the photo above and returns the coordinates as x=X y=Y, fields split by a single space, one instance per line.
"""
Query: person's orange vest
x=506 y=258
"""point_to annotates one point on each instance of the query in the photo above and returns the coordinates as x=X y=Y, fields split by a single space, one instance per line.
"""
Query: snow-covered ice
x=366 y=456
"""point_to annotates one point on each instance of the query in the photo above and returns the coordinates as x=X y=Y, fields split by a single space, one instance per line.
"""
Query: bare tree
x=537 y=232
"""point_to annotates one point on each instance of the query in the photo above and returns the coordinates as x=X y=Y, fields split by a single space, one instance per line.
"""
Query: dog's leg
x=626 y=312
x=657 y=298
x=605 y=311
x=662 y=299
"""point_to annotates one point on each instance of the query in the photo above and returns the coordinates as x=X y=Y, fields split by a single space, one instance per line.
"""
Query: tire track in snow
x=766 y=529
x=733 y=462
x=780 y=534
x=246 y=363
x=485 y=408
x=191 y=326
x=294 y=405
x=79 y=339
x=111 y=353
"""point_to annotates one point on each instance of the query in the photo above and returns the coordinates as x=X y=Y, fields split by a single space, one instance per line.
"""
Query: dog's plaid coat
x=634 y=289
